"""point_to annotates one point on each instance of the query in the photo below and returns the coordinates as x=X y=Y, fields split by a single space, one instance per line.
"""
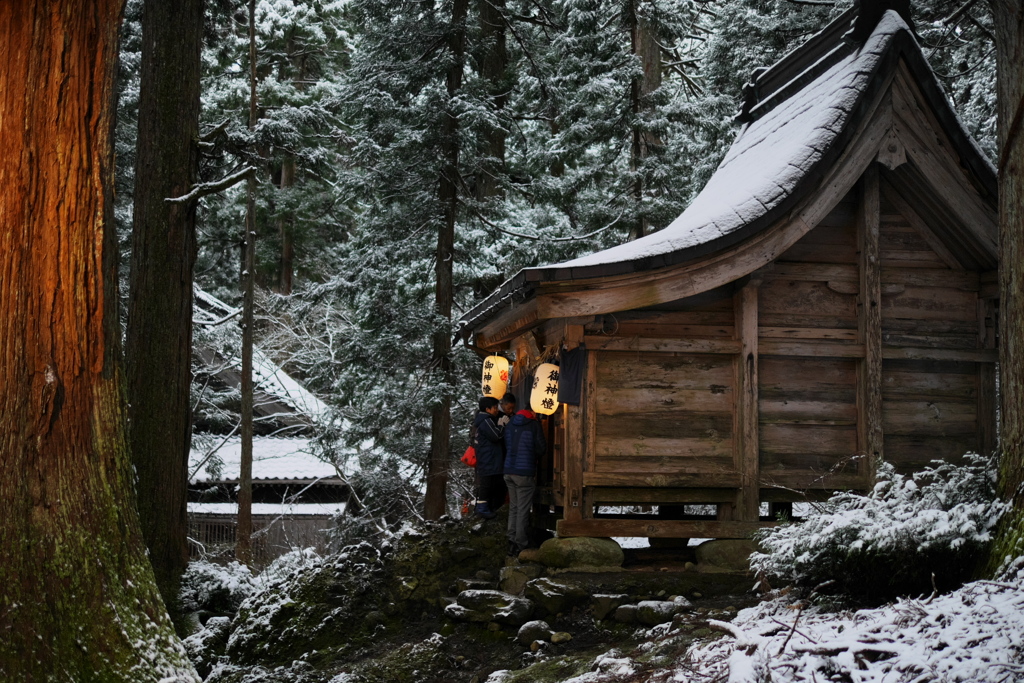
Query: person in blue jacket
x=524 y=444
x=490 y=486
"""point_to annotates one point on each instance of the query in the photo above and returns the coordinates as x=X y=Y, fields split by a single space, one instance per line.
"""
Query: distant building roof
x=274 y=460
x=269 y=509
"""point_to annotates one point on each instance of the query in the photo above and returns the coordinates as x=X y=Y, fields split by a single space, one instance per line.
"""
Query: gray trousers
x=520 y=496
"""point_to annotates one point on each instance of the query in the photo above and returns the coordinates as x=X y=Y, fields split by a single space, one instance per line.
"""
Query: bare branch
x=204 y=189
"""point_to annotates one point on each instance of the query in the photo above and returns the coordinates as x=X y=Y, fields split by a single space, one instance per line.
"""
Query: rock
x=205 y=647
x=484 y=575
x=529 y=555
x=604 y=604
x=683 y=602
x=561 y=637
x=482 y=606
x=697 y=595
x=493 y=626
x=552 y=597
x=580 y=552
x=733 y=555
x=375 y=618
x=625 y=614
x=514 y=578
x=533 y=630
x=654 y=612
x=461 y=553
x=462 y=585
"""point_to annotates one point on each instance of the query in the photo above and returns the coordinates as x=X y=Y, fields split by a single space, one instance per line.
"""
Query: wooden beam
x=869 y=324
x=606 y=343
x=659 y=528
x=746 y=410
x=796 y=480
x=572 y=465
x=510 y=324
x=691 y=479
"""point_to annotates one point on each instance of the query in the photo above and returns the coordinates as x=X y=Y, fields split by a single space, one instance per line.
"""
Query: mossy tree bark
x=159 y=339
x=1009 y=31
x=78 y=599
x=435 y=499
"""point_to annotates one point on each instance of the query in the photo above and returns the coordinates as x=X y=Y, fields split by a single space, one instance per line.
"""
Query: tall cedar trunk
x=493 y=65
x=78 y=600
x=243 y=541
x=284 y=226
x=1009 y=30
x=645 y=46
x=435 y=500
x=159 y=338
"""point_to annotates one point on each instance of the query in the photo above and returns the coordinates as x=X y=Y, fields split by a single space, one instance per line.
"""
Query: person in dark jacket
x=487 y=440
x=524 y=444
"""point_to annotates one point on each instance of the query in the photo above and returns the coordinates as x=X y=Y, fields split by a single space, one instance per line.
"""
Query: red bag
x=469 y=457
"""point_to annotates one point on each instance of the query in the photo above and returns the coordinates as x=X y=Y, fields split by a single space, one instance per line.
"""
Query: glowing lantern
x=495 y=376
x=544 y=396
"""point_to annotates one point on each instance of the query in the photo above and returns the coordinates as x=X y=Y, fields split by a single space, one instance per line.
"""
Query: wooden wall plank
x=679 y=423
x=912 y=452
x=811 y=349
x=786 y=444
x=663 y=401
x=667 y=345
x=720 y=460
x=804 y=297
x=939 y=418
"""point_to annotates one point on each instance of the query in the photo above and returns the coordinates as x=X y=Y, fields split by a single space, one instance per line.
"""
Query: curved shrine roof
x=800 y=115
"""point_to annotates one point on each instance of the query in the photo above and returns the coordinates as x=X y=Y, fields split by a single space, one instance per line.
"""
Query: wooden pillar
x=987 y=426
x=746 y=412
x=869 y=326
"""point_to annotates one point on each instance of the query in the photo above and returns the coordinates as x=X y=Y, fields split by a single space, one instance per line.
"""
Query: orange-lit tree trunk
x=78 y=601
x=158 y=349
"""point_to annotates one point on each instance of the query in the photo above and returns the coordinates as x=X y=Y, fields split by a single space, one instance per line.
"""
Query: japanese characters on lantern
x=494 y=381
x=544 y=395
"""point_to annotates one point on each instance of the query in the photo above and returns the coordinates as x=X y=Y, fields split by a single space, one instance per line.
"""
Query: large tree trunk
x=243 y=538
x=1009 y=30
x=493 y=67
x=78 y=600
x=644 y=44
x=435 y=500
x=159 y=339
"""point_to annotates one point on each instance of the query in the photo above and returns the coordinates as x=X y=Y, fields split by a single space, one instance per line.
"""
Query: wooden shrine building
x=829 y=299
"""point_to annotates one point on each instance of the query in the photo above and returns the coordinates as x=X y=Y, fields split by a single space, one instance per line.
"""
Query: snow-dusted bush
x=215 y=589
x=894 y=540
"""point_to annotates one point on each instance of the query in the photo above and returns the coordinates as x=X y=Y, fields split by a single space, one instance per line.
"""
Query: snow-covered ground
x=975 y=634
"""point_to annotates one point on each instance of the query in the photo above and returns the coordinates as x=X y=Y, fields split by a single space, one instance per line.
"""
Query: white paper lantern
x=494 y=381
x=544 y=395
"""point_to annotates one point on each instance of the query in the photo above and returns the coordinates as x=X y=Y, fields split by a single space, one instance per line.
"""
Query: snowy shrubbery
x=892 y=541
x=214 y=589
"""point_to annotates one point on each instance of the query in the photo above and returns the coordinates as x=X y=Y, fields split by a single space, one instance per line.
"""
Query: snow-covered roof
x=269 y=509
x=268 y=377
x=274 y=459
x=800 y=115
